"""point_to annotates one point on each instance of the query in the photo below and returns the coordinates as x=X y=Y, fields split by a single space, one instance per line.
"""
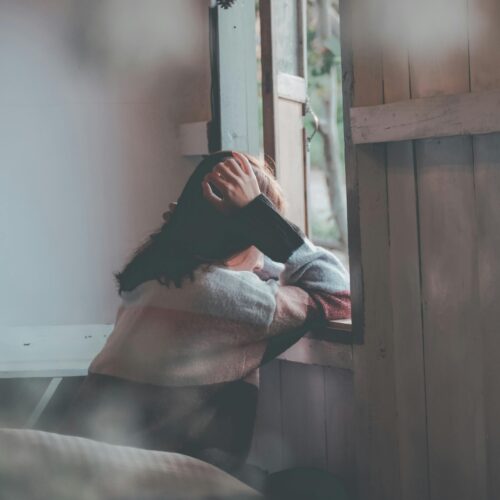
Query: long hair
x=196 y=233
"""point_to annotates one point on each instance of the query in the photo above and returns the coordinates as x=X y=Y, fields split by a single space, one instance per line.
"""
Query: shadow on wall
x=91 y=95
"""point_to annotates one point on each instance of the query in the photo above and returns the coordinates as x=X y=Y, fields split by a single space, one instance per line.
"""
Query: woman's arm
x=314 y=283
x=270 y=269
x=313 y=269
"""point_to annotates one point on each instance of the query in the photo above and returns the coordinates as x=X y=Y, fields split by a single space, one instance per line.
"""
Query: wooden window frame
x=234 y=92
x=353 y=215
x=234 y=28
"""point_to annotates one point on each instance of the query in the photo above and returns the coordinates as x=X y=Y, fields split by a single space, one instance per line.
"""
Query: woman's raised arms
x=235 y=180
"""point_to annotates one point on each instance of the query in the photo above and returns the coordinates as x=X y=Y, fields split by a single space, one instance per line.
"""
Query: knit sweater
x=180 y=369
x=221 y=326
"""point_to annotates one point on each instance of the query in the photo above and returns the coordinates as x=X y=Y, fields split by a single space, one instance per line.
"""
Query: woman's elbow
x=334 y=305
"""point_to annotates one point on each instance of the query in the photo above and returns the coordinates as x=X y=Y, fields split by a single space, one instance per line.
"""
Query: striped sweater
x=180 y=369
x=220 y=326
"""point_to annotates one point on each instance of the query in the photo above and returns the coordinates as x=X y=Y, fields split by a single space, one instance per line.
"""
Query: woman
x=202 y=309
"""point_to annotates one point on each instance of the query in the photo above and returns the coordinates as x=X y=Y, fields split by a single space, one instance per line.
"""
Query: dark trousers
x=213 y=422
x=133 y=414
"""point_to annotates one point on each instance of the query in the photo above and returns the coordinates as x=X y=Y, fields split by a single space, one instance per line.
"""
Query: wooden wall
x=425 y=230
x=305 y=418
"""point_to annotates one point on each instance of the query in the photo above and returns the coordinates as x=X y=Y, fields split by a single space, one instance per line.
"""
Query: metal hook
x=310 y=111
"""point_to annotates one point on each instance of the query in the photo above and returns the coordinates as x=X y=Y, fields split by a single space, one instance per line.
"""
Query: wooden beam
x=470 y=113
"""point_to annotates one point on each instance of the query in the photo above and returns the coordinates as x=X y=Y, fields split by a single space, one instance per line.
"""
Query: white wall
x=91 y=94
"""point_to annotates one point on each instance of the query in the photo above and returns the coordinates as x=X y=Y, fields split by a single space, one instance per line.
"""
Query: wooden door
x=284 y=93
x=426 y=378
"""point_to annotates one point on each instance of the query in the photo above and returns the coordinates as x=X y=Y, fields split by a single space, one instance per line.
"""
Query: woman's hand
x=235 y=180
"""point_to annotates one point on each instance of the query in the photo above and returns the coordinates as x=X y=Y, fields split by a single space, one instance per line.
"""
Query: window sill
x=65 y=351
x=341 y=325
x=330 y=346
x=337 y=331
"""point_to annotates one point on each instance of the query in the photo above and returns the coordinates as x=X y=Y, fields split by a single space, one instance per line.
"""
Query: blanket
x=40 y=465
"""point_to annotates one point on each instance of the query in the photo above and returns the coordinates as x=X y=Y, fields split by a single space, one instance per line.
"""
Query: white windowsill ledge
x=67 y=350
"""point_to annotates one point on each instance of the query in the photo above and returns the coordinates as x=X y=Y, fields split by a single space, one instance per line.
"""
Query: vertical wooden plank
x=446 y=204
x=339 y=402
x=487 y=184
x=306 y=160
x=351 y=173
x=290 y=169
x=266 y=449
x=484 y=49
x=438 y=38
x=377 y=444
x=377 y=456
x=283 y=51
x=269 y=79
x=484 y=44
x=303 y=415
x=238 y=96
x=405 y=268
x=452 y=345
x=408 y=341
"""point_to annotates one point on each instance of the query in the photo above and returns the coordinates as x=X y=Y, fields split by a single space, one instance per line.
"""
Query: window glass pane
x=287 y=39
x=327 y=188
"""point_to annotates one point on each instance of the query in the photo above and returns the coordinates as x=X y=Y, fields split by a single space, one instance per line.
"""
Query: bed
x=41 y=465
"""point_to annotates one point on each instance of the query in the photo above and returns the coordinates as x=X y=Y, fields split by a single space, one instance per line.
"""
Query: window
x=298 y=70
x=327 y=203
x=298 y=52
x=315 y=77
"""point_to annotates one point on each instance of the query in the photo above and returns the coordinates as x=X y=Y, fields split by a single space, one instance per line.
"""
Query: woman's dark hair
x=196 y=232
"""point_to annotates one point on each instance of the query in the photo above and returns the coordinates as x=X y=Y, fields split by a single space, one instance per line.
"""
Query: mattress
x=41 y=465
